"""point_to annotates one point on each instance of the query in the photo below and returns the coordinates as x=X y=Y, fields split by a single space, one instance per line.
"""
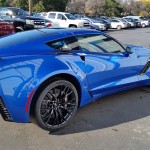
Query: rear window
x=52 y=15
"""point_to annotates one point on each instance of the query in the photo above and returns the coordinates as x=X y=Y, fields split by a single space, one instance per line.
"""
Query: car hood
x=29 y=18
x=34 y=18
x=99 y=24
x=79 y=21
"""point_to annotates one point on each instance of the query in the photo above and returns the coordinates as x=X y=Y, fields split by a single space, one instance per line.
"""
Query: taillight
x=12 y=26
x=49 y=25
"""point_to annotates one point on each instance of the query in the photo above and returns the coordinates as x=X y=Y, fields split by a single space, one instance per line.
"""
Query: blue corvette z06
x=46 y=74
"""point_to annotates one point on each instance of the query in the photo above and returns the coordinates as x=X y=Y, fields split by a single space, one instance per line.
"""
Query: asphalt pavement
x=116 y=122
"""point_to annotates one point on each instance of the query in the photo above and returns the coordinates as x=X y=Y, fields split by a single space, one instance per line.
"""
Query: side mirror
x=128 y=49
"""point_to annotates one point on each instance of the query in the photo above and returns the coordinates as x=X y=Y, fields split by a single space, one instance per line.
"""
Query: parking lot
x=116 y=122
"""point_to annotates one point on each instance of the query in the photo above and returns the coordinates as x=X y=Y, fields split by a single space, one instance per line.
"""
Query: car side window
x=65 y=44
x=52 y=15
x=4 y=11
x=99 y=43
x=114 y=21
x=20 y=12
x=61 y=17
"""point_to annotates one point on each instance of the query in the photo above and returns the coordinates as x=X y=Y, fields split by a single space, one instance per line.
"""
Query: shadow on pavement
x=110 y=111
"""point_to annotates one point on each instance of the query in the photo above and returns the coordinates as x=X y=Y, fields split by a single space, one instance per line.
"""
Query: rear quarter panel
x=26 y=73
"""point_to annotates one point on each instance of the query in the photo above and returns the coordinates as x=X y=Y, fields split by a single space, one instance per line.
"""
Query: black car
x=18 y=15
x=18 y=24
x=136 y=21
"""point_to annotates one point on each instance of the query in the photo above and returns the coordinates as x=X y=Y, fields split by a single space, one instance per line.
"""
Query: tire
x=73 y=26
x=119 y=27
x=56 y=105
x=143 y=25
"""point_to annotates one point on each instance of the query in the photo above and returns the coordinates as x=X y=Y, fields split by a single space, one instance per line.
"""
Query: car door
x=108 y=67
x=51 y=16
x=61 y=19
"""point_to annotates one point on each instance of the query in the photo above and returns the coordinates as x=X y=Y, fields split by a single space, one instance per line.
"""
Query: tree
x=76 y=7
x=144 y=14
x=95 y=7
x=56 y=5
x=39 y=7
x=3 y=3
x=113 y=8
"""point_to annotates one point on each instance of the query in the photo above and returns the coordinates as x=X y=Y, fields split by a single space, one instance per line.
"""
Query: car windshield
x=95 y=21
x=18 y=12
x=70 y=16
x=123 y=20
x=103 y=21
x=129 y=19
x=136 y=19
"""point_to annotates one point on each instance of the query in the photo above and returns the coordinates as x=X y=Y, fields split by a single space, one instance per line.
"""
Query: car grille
x=86 y=24
x=4 y=112
x=39 y=22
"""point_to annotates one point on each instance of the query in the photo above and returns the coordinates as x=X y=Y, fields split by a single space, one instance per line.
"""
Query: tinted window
x=114 y=21
x=61 y=17
x=99 y=43
x=18 y=12
x=70 y=43
x=123 y=20
x=52 y=15
x=4 y=11
x=70 y=16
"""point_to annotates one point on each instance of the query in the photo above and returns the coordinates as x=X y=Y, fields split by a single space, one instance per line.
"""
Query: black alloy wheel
x=56 y=105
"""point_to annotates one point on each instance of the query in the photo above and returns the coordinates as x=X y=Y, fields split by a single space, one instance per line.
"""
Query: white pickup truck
x=66 y=20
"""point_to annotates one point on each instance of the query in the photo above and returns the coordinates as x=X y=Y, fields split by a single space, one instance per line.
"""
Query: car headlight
x=29 y=21
x=80 y=24
x=101 y=26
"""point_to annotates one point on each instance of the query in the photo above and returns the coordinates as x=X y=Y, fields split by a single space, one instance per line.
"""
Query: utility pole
x=30 y=7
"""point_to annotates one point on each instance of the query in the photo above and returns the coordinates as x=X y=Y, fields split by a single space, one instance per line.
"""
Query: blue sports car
x=46 y=74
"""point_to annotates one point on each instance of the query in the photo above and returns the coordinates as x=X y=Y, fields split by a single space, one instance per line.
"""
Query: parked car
x=46 y=82
x=6 y=28
x=132 y=22
x=101 y=26
x=66 y=20
x=118 y=24
x=93 y=26
x=18 y=23
x=28 y=22
x=106 y=22
x=144 y=22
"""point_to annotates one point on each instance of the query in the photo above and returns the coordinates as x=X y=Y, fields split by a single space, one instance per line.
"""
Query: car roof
x=10 y=7
x=43 y=35
x=74 y=31
x=58 y=12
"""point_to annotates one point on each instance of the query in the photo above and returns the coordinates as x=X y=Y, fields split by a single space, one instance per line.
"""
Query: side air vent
x=4 y=112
